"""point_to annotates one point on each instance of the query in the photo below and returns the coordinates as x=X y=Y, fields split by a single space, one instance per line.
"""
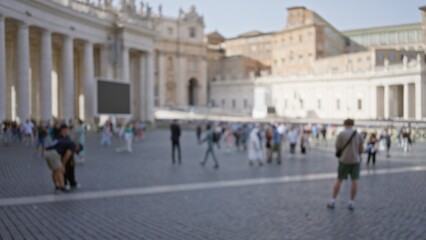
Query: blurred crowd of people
x=262 y=142
x=265 y=143
x=63 y=144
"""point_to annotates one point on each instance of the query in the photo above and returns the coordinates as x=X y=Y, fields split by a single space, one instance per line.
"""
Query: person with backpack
x=349 y=147
x=209 y=138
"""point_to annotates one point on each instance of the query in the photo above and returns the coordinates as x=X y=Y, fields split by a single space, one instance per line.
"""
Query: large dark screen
x=113 y=97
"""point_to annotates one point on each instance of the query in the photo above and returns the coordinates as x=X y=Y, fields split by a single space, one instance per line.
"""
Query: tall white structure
x=383 y=79
x=181 y=60
x=52 y=52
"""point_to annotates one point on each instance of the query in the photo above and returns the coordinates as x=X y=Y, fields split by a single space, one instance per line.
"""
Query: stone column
x=125 y=65
x=3 y=92
x=149 y=96
x=23 y=72
x=182 y=83
x=161 y=79
x=68 y=77
x=46 y=75
x=419 y=104
x=406 y=104
x=140 y=93
x=372 y=114
x=386 y=102
x=106 y=69
x=89 y=84
x=203 y=94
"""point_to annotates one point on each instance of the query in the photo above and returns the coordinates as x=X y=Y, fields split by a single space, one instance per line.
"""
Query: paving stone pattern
x=389 y=206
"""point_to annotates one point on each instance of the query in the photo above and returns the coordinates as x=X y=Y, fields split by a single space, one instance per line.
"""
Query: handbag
x=339 y=151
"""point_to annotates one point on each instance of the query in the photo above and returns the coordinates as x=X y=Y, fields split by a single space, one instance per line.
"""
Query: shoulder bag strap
x=347 y=143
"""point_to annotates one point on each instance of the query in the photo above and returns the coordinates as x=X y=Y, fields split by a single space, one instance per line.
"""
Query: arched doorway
x=192 y=92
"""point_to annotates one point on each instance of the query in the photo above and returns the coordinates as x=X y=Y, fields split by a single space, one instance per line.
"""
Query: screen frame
x=97 y=113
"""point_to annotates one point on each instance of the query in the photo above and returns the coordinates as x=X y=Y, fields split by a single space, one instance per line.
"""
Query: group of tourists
x=62 y=144
x=59 y=156
x=262 y=142
x=31 y=133
x=126 y=133
x=59 y=142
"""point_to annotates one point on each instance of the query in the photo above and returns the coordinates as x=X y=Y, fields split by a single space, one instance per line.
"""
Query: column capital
x=23 y=25
x=88 y=42
x=46 y=31
x=68 y=37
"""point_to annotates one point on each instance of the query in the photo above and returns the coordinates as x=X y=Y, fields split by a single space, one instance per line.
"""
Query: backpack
x=216 y=137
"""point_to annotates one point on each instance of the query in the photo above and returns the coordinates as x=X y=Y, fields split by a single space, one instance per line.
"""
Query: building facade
x=52 y=52
x=401 y=37
x=320 y=72
x=181 y=60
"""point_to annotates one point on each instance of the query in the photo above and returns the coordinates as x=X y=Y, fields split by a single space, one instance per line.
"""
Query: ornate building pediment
x=192 y=15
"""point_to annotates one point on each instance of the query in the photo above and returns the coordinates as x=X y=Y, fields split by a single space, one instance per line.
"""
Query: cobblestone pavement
x=390 y=205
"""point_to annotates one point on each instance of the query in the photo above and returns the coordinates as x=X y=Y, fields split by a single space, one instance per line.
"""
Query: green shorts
x=345 y=169
x=275 y=147
x=53 y=160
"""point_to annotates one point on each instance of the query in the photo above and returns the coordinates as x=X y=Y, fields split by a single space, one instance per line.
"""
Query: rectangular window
x=192 y=32
x=301 y=103
x=402 y=36
x=192 y=65
x=319 y=103
x=223 y=102
x=234 y=103
x=212 y=103
x=245 y=103
x=393 y=37
x=380 y=57
x=392 y=57
x=338 y=104
x=359 y=104
x=412 y=36
x=170 y=31
x=383 y=38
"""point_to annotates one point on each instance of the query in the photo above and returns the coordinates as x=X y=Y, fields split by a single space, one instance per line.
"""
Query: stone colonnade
x=399 y=101
x=44 y=74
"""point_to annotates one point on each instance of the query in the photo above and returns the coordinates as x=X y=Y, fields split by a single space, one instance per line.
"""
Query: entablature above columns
x=62 y=20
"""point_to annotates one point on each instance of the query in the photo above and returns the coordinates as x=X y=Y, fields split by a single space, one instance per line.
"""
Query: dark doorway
x=192 y=92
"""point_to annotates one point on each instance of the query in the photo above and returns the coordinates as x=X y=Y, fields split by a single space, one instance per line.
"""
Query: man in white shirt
x=27 y=128
x=292 y=137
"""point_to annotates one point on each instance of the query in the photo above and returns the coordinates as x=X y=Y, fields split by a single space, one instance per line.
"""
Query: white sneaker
x=331 y=204
x=351 y=205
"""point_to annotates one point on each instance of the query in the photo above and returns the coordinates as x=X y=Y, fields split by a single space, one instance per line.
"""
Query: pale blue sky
x=233 y=17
